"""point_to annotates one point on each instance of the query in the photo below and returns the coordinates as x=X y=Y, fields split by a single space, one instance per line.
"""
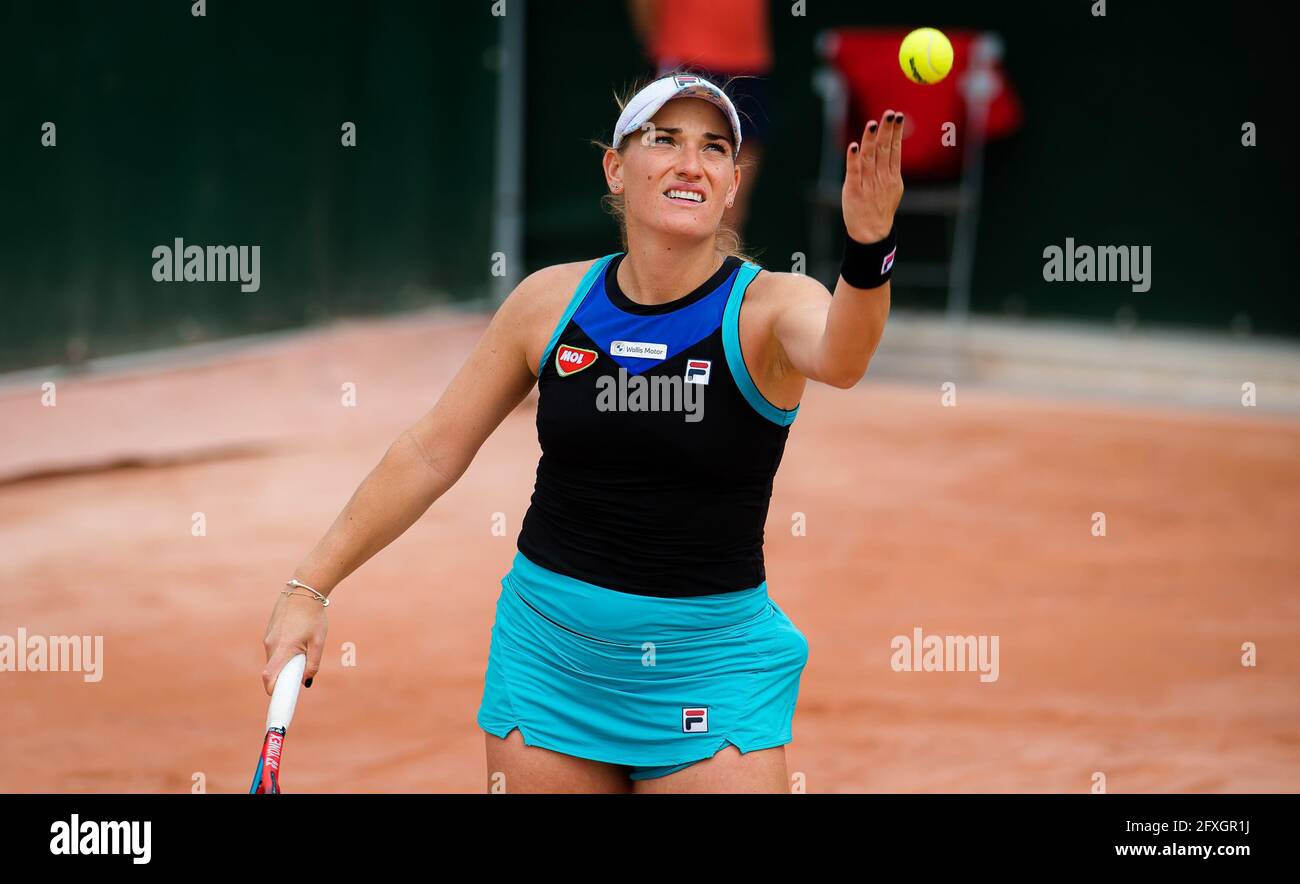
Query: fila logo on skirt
x=571 y=360
x=695 y=719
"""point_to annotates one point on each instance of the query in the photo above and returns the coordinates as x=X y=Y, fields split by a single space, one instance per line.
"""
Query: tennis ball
x=925 y=56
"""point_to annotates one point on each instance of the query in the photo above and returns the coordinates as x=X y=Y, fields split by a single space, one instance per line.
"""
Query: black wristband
x=868 y=265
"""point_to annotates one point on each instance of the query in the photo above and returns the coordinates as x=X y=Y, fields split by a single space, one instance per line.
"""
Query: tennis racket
x=266 y=779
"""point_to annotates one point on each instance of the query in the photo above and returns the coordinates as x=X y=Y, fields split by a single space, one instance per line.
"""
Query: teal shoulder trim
x=736 y=360
x=588 y=280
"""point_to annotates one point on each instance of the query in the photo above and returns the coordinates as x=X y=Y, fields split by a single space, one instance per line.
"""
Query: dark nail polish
x=309 y=681
x=872 y=128
x=899 y=120
x=889 y=118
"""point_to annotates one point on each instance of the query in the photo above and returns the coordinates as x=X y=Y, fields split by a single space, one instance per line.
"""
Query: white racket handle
x=285 y=695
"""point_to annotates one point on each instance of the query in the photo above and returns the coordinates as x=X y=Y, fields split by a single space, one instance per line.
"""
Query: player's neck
x=661 y=269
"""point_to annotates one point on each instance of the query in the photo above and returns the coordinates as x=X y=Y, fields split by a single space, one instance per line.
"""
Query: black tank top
x=658 y=451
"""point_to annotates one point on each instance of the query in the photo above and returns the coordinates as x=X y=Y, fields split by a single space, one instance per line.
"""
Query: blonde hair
x=727 y=240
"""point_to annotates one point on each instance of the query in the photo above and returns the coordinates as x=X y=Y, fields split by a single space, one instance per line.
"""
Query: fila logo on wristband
x=859 y=268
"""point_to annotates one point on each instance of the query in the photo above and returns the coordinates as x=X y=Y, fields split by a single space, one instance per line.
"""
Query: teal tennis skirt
x=652 y=683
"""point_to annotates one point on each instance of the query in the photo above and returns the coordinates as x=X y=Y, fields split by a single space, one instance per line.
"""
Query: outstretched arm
x=833 y=339
x=417 y=469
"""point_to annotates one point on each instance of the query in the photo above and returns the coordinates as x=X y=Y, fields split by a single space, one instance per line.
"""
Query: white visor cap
x=646 y=103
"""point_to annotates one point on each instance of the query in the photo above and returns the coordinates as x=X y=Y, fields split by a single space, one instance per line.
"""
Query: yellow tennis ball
x=925 y=56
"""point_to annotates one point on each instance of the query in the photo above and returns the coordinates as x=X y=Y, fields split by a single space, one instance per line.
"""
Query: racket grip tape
x=284 y=698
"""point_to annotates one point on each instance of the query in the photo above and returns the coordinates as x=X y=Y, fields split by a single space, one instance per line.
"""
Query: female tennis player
x=635 y=648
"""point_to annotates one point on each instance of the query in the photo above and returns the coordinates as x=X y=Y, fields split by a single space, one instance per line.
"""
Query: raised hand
x=873 y=184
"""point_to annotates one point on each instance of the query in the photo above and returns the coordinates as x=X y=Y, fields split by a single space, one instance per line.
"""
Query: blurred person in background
x=727 y=42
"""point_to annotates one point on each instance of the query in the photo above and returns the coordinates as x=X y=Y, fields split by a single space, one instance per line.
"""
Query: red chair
x=946 y=127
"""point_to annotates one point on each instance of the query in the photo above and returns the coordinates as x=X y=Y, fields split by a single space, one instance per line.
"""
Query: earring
x=617 y=188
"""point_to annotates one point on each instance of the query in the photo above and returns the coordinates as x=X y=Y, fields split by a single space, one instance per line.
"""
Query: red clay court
x=1119 y=654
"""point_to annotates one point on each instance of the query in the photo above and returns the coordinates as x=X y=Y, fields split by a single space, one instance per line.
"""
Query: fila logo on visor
x=697 y=371
x=571 y=360
x=695 y=720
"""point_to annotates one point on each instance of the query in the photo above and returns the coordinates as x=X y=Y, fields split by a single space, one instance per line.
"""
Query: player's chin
x=689 y=223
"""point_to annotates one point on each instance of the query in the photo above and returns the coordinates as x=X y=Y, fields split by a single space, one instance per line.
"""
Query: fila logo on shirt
x=695 y=719
x=571 y=360
x=697 y=370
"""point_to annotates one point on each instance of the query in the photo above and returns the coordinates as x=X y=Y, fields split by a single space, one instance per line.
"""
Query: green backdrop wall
x=225 y=130
x=1132 y=135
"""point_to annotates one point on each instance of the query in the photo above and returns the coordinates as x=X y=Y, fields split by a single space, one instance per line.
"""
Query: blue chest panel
x=678 y=330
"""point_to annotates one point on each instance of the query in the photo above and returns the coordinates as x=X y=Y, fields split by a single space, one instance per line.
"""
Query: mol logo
x=571 y=360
